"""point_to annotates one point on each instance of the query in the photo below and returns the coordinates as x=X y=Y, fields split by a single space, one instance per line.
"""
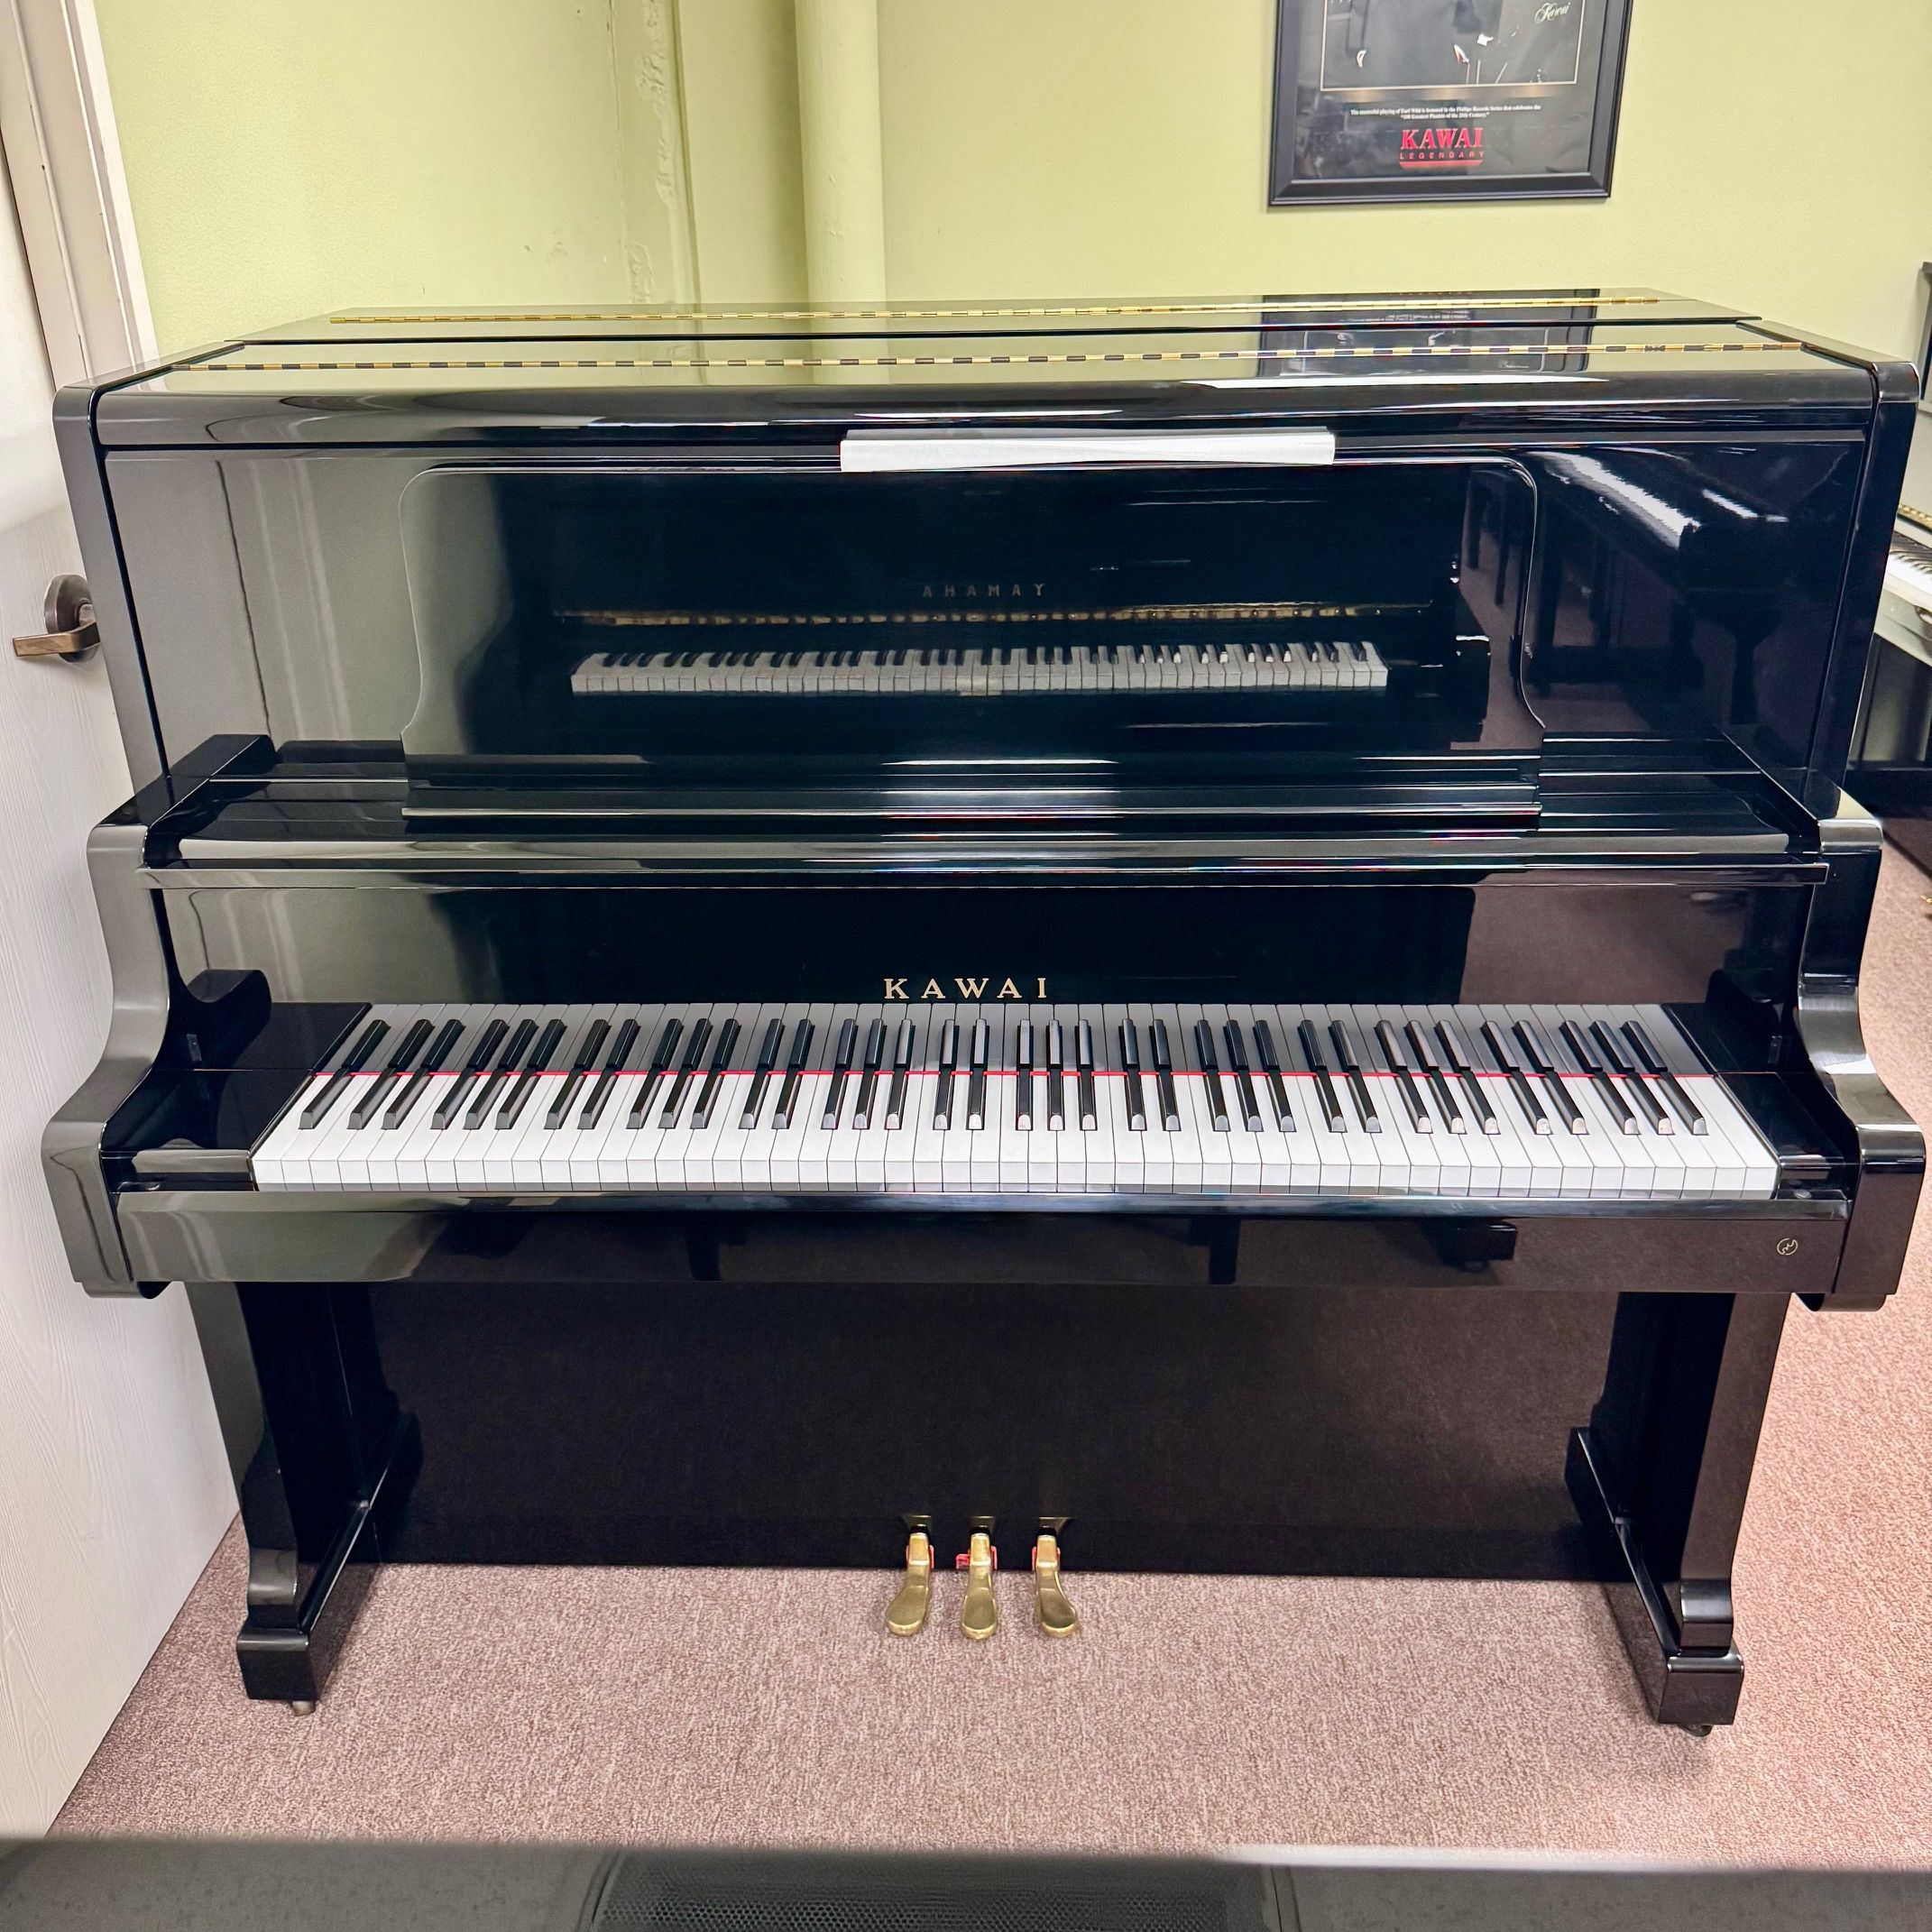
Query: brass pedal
x=1058 y=1617
x=979 y=1613
x=908 y=1613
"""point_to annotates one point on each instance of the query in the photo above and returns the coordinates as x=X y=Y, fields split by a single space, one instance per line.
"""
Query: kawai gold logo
x=963 y=987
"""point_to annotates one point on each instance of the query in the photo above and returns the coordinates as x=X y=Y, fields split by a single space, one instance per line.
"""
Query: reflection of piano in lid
x=1892 y=768
x=1136 y=628
x=1227 y=1125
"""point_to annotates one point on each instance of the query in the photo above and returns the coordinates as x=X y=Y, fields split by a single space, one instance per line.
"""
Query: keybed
x=1247 y=664
x=1497 y=1102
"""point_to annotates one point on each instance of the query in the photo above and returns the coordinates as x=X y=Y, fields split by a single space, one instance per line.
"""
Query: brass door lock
x=71 y=632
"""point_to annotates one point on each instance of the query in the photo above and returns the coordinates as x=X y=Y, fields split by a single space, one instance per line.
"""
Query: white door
x=113 y=1487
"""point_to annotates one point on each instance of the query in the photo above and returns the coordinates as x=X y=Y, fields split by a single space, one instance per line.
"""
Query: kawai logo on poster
x=1440 y=147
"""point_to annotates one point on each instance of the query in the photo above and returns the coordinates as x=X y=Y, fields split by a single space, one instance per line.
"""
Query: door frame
x=63 y=154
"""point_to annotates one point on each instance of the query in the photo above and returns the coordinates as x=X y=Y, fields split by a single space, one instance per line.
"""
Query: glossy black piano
x=1225 y=930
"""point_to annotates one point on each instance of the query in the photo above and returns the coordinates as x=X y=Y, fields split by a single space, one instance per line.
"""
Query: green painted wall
x=1120 y=146
x=285 y=156
x=740 y=91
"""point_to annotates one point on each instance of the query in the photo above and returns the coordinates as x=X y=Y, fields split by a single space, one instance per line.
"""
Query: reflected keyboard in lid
x=1304 y=626
x=990 y=671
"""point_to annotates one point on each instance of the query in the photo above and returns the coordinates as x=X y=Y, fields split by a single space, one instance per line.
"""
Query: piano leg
x=323 y=1459
x=1659 y=1478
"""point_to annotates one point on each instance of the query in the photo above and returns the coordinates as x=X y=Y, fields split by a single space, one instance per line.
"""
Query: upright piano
x=1206 y=935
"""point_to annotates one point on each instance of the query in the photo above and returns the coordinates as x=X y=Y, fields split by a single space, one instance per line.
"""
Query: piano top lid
x=1372 y=376
x=1023 y=316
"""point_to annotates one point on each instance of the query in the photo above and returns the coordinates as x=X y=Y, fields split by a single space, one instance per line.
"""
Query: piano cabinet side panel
x=185 y=585
x=1681 y=590
x=294 y=619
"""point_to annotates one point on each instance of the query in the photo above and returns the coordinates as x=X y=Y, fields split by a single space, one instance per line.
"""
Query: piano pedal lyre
x=1058 y=1617
x=980 y=1610
x=907 y=1615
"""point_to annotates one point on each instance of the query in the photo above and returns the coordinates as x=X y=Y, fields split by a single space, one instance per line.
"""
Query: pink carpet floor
x=769 y=1707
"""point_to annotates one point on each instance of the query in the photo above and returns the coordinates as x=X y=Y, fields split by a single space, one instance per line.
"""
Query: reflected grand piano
x=1208 y=936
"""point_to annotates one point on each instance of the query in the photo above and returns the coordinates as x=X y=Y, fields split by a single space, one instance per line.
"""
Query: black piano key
x=1089 y=1111
x=1397 y=1061
x=398 y=1064
x=614 y=1065
x=767 y=1059
x=1536 y=1051
x=1437 y=1084
x=1244 y=1079
x=1331 y=1107
x=525 y=1083
x=662 y=1055
x=1272 y=1067
x=418 y=1083
x=1163 y=1079
x=588 y=1048
x=844 y=1051
x=949 y=1064
x=687 y=1072
x=1647 y=1103
x=451 y=1104
x=506 y=1063
x=1345 y=1055
x=976 y=1079
x=1210 y=1077
x=794 y=1071
x=903 y=1050
x=1136 y=1098
x=721 y=1065
x=1598 y=1076
x=357 y=1056
x=1518 y=1082
x=1022 y=1064
x=1654 y=1064
x=1056 y=1078
x=875 y=1058
x=1455 y=1050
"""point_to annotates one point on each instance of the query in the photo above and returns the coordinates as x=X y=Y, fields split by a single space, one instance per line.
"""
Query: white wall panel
x=113 y=1487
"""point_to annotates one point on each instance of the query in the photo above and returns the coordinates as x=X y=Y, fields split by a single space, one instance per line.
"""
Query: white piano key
x=370 y=1162
x=1747 y=1168
x=1203 y=1164
x=281 y=1160
x=530 y=1151
x=495 y=1154
x=928 y=1147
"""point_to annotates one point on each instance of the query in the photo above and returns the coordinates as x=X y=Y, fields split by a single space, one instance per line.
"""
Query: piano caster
x=301 y=1707
x=979 y=1613
x=1697 y=1730
x=908 y=1611
x=1058 y=1617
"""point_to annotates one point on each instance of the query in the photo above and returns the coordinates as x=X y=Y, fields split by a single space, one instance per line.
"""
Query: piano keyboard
x=992 y=671
x=1909 y=573
x=1499 y=1103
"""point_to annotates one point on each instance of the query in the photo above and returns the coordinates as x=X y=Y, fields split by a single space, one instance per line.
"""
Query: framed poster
x=1410 y=100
